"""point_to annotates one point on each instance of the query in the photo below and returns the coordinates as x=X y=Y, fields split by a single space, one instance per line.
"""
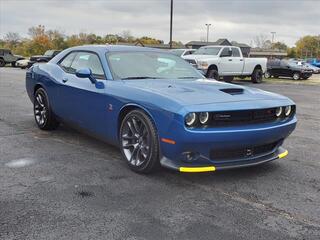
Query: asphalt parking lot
x=67 y=185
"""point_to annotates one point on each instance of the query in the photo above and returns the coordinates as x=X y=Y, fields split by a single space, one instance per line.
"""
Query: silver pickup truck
x=227 y=62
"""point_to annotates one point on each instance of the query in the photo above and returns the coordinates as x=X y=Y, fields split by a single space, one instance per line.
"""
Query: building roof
x=221 y=41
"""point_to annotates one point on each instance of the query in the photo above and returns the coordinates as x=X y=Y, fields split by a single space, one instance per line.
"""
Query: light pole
x=171 y=14
x=208 y=26
x=272 y=40
x=273 y=34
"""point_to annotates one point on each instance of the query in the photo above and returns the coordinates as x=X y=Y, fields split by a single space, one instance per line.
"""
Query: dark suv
x=48 y=55
x=284 y=68
x=6 y=56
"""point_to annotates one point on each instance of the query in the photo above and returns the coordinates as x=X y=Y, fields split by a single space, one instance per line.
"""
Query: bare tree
x=262 y=41
x=12 y=38
x=127 y=36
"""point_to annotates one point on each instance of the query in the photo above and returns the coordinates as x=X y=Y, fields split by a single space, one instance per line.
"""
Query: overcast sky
x=236 y=20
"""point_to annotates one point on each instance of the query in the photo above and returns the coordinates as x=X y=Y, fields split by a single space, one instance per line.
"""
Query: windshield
x=177 y=52
x=49 y=53
x=149 y=65
x=207 y=51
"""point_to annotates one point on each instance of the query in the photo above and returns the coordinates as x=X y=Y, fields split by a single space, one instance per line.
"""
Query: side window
x=225 y=51
x=66 y=62
x=235 y=52
x=88 y=60
x=1 y=52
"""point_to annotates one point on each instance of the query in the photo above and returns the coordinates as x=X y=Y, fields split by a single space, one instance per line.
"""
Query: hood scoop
x=232 y=91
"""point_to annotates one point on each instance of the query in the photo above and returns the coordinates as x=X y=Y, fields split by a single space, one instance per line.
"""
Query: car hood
x=201 y=91
x=200 y=57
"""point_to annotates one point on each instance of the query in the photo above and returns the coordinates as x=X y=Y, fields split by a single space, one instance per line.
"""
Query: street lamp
x=208 y=26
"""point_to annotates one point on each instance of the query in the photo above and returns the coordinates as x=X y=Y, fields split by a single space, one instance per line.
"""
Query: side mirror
x=86 y=73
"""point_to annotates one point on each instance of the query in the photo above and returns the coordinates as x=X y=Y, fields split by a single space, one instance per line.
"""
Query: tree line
x=40 y=40
x=306 y=47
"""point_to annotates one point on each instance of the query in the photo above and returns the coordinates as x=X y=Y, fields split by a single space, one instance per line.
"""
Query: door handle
x=241 y=60
x=64 y=79
x=230 y=59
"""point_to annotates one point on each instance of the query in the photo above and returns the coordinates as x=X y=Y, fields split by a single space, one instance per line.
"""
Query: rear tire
x=2 y=62
x=13 y=64
x=139 y=142
x=213 y=73
x=296 y=76
x=257 y=75
x=43 y=114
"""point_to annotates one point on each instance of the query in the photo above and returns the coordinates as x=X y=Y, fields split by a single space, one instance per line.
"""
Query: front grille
x=244 y=152
x=241 y=117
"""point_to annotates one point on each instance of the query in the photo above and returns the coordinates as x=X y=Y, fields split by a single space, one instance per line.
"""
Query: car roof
x=114 y=48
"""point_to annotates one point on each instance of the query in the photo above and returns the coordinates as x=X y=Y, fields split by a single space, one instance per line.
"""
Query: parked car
x=172 y=117
x=182 y=52
x=314 y=62
x=287 y=68
x=23 y=63
x=6 y=57
x=227 y=62
x=48 y=55
x=315 y=70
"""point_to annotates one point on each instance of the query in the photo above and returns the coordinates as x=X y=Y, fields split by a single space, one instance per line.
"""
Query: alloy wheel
x=40 y=109
x=136 y=141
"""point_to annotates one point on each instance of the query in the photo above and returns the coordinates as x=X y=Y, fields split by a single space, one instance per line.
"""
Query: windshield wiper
x=128 y=78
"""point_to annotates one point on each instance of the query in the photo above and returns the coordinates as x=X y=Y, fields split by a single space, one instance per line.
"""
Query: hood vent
x=232 y=91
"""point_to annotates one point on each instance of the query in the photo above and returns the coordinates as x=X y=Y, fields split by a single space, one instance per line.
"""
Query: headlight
x=190 y=119
x=287 y=110
x=202 y=65
x=278 y=111
x=203 y=117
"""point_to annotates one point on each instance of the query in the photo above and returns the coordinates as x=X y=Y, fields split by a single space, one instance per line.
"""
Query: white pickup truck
x=227 y=62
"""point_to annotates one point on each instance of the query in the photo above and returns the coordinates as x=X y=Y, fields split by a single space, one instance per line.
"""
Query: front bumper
x=184 y=167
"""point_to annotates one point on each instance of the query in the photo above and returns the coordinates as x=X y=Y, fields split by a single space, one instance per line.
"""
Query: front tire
x=139 y=142
x=267 y=74
x=296 y=76
x=43 y=114
x=257 y=76
x=213 y=73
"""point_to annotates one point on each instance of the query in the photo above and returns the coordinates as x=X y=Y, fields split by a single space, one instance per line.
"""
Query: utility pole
x=171 y=14
x=272 y=40
x=273 y=35
x=208 y=26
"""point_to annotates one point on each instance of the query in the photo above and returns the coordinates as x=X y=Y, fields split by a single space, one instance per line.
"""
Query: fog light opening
x=190 y=156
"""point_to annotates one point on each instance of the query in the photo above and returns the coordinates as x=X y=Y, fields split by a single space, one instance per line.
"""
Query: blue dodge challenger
x=159 y=110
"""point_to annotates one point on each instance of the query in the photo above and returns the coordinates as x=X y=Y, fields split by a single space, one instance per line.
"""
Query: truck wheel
x=13 y=64
x=228 y=78
x=2 y=62
x=296 y=76
x=267 y=74
x=213 y=73
x=256 y=76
